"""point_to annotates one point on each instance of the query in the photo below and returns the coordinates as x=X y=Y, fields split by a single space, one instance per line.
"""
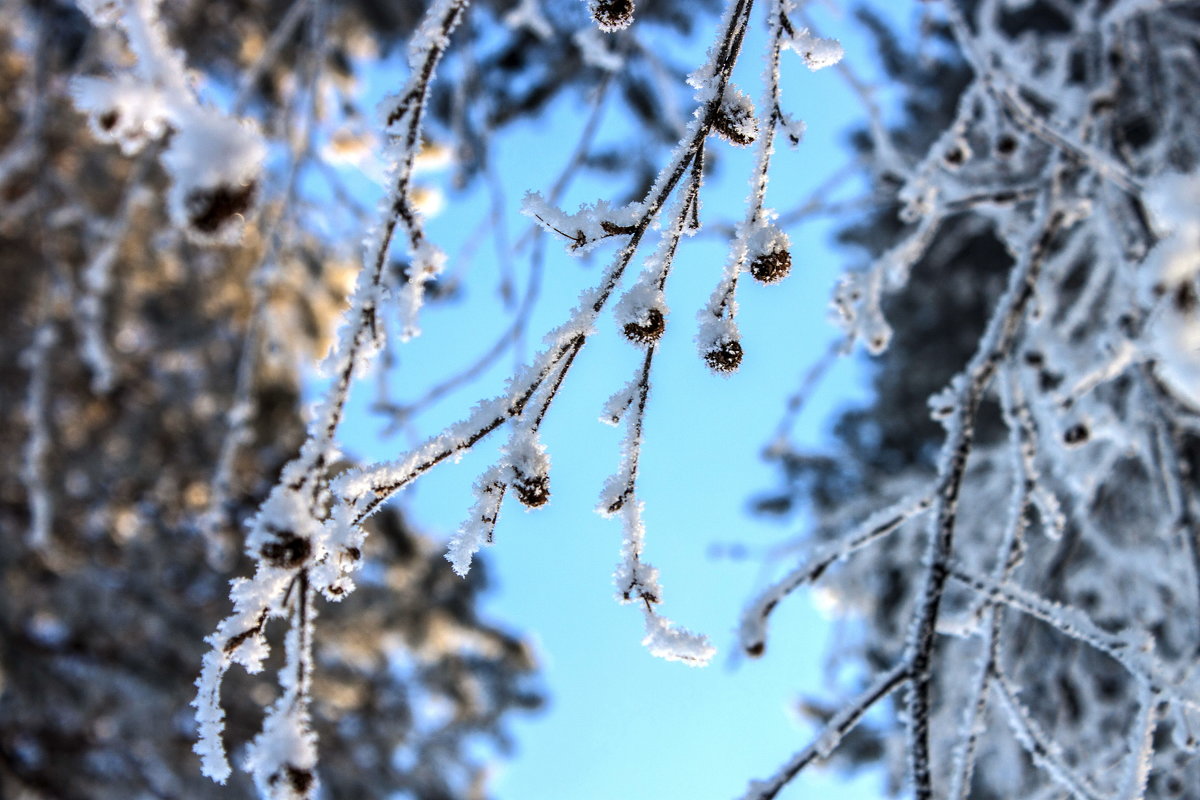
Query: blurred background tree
x=109 y=586
x=1100 y=514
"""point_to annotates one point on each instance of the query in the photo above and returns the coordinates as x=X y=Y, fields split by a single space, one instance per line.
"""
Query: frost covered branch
x=296 y=542
x=835 y=730
x=287 y=538
x=995 y=347
x=1013 y=518
x=1061 y=462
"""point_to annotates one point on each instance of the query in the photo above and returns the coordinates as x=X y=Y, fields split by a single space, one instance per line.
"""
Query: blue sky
x=622 y=724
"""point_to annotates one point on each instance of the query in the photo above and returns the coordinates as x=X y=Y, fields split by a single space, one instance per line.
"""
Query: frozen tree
x=1012 y=519
x=1021 y=548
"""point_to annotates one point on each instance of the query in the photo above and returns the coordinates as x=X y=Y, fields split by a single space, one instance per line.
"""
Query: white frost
x=668 y=641
x=594 y=48
x=480 y=525
x=122 y=110
x=587 y=226
x=211 y=156
x=817 y=52
x=1170 y=282
x=528 y=14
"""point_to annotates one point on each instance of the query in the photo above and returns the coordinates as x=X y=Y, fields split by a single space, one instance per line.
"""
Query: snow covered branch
x=1016 y=518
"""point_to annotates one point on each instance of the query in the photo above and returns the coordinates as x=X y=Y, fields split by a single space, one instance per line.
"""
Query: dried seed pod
x=772 y=266
x=956 y=154
x=532 y=490
x=215 y=164
x=735 y=121
x=122 y=111
x=1184 y=298
x=767 y=251
x=286 y=550
x=212 y=209
x=1076 y=435
x=1006 y=146
x=724 y=356
x=647 y=330
x=297 y=779
x=612 y=15
x=955 y=157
